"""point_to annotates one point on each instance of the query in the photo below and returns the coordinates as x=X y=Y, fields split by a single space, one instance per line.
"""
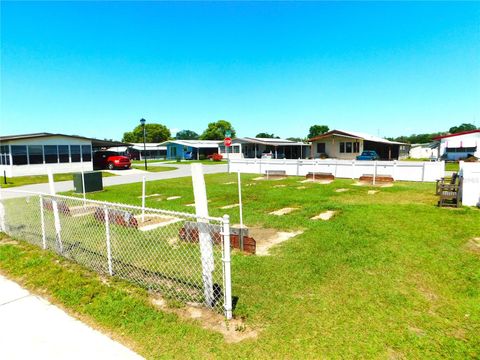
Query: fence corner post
x=42 y=220
x=227 y=268
x=107 y=235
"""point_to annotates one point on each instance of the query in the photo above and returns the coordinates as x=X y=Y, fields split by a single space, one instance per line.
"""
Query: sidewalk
x=32 y=328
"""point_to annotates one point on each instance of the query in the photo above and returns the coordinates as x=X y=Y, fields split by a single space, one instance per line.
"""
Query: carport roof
x=198 y=144
x=95 y=142
x=356 y=135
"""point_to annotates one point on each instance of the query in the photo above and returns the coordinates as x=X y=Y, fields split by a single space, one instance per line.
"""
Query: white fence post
x=227 y=286
x=2 y=214
x=83 y=188
x=394 y=169
x=107 y=235
x=42 y=220
x=374 y=171
x=205 y=240
x=298 y=167
x=353 y=169
x=56 y=216
x=423 y=171
x=143 y=199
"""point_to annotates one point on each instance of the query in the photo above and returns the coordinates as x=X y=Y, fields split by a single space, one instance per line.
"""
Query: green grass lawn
x=155 y=168
x=452 y=166
x=37 y=179
x=390 y=276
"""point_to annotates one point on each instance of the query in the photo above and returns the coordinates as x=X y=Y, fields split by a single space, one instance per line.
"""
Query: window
x=236 y=149
x=222 y=149
x=462 y=150
x=4 y=155
x=173 y=151
x=63 y=154
x=356 y=147
x=51 y=154
x=348 y=147
x=86 y=153
x=19 y=154
x=342 y=147
x=75 y=153
x=35 y=154
x=321 y=148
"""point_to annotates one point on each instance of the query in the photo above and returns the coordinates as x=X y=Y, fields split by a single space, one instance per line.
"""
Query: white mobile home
x=250 y=148
x=459 y=146
x=32 y=154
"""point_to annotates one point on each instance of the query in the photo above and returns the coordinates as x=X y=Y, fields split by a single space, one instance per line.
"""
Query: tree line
x=156 y=133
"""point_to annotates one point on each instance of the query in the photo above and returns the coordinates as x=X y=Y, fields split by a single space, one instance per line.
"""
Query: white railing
x=179 y=255
x=350 y=169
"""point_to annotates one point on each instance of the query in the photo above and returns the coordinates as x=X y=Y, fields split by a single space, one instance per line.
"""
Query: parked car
x=368 y=155
x=110 y=160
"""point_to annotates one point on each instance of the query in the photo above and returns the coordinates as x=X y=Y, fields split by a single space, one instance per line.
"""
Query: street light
x=142 y=121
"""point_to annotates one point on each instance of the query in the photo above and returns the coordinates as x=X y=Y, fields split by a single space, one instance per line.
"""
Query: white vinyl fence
x=179 y=255
x=350 y=169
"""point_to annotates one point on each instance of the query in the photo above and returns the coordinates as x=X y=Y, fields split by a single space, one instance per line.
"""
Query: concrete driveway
x=61 y=186
x=32 y=328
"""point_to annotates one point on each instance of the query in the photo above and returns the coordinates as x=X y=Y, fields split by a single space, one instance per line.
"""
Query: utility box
x=93 y=181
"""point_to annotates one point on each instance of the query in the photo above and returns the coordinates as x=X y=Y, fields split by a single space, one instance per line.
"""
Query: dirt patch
x=283 y=211
x=319 y=181
x=266 y=238
x=280 y=186
x=229 y=183
x=382 y=185
x=173 y=197
x=230 y=206
x=326 y=215
x=233 y=331
x=272 y=177
x=301 y=187
x=153 y=221
x=372 y=192
x=416 y=330
x=341 y=190
x=8 y=241
x=251 y=184
x=473 y=245
x=147 y=196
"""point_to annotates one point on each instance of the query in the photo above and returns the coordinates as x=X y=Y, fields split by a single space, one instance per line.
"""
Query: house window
x=35 y=154
x=75 y=153
x=462 y=150
x=19 y=155
x=356 y=147
x=222 y=149
x=63 y=153
x=4 y=155
x=348 y=147
x=86 y=153
x=236 y=149
x=51 y=154
x=321 y=148
x=342 y=147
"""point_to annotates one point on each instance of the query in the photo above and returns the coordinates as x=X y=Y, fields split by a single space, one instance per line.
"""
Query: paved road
x=182 y=171
x=32 y=328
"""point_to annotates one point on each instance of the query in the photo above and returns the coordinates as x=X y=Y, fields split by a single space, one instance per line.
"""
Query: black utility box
x=93 y=181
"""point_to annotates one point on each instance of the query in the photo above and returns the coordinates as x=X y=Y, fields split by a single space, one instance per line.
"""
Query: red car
x=110 y=160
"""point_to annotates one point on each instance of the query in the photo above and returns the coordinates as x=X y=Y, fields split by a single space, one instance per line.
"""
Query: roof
x=269 y=141
x=198 y=144
x=149 y=146
x=95 y=142
x=356 y=135
x=457 y=134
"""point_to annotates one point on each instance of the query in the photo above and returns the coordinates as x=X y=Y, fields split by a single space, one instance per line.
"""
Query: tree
x=187 y=135
x=296 y=139
x=267 y=136
x=316 y=130
x=216 y=130
x=460 y=128
x=155 y=133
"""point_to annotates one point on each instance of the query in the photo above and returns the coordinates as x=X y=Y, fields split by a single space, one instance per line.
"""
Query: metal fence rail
x=179 y=255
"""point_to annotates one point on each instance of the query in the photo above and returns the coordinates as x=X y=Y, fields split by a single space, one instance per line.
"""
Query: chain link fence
x=178 y=255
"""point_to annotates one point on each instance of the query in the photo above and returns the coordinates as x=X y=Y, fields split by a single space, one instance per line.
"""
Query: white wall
x=423 y=152
x=471 y=183
x=467 y=140
x=350 y=169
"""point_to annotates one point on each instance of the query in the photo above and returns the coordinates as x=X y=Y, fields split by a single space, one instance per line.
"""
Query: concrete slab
x=32 y=328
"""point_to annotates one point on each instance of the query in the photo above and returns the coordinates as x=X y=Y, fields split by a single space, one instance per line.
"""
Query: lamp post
x=142 y=121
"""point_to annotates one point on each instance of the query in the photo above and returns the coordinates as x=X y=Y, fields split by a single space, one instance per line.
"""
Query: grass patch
x=155 y=168
x=38 y=179
x=452 y=166
x=389 y=275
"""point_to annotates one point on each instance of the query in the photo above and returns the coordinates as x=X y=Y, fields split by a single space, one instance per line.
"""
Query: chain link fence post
x=42 y=220
x=226 y=268
x=107 y=235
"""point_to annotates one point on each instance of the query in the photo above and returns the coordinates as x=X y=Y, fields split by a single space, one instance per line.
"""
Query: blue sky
x=96 y=68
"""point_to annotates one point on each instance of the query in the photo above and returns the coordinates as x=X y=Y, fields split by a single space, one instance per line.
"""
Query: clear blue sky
x=96 y=68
